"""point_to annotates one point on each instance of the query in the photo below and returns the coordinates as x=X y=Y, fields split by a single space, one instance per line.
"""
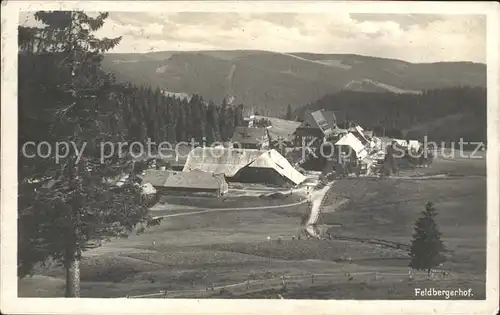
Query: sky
x=409 y=37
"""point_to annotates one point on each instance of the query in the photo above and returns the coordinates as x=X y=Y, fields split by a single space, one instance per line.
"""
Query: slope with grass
x=387 y=209
x=193 y=252
x=269 y=81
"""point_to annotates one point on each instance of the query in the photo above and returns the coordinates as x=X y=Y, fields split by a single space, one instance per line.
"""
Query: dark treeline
x=70 y=203
x=149 y=114
x=140 y=113
x=444 y=114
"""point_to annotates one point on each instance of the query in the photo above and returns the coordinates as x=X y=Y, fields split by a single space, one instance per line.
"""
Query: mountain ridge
x=269 y=81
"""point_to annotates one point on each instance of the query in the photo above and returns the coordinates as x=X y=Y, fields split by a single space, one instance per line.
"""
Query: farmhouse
x=281 y=131
x=351 y=143
x=250 y=138
x=185 y=182
x=357 y=131
x=245 y=165
x=317 y=125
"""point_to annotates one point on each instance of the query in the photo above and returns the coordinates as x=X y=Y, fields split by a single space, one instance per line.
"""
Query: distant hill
x=443 y=114
x=269 y=81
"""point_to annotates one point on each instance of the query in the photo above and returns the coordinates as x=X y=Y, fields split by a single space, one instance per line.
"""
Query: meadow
x=224 y=248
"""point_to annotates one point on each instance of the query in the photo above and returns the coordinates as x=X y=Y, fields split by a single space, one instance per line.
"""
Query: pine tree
x=70 y=205
x=181 y=123
x=427 y=248
x=172 y=111
x=289 y=113
x=223 y=120
x=197 y=117
x=213 y=132
x=229 y=127
x=238 y=116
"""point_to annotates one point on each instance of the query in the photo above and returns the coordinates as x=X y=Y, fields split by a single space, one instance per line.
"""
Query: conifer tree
x=197 y=117
x=427 y=248
x=289 y=112
x=181 y=123
x=171 y=120
x=223 y=120
x=213 y=131
x=229 y=123
x=238 y=116
x=69 y=205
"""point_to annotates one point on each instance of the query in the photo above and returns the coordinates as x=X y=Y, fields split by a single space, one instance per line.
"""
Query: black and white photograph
x=219 y=151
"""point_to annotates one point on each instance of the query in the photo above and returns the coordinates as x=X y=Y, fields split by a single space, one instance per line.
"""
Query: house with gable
x=317 y=127
x=250 y=138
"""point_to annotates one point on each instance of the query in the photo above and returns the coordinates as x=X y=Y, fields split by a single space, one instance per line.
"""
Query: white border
x=11 y=304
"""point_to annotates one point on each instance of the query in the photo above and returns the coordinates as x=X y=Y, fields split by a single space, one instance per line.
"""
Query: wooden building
x=196 y=182
x=317 y=127
x=250 y=138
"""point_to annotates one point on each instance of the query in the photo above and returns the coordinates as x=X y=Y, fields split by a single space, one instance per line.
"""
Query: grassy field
x=365 y=290
x=193 y=252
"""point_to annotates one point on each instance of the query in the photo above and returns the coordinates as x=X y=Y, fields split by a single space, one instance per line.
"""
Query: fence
x=291 y=281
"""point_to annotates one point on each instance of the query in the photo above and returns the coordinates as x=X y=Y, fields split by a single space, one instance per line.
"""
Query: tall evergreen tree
x=171 y=120
x=181 y=123
x=427 y=247
x=229 y=123
x=213 y=131
x=289 y=112
x=68 y=205
x=223 y=120
x=197 y=117
x=238 y=115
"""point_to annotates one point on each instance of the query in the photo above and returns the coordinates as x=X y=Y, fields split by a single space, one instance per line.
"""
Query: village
x=285 y=156
x=269 y=173
x=284 y=208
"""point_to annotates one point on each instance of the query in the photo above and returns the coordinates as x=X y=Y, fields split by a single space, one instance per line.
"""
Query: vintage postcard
x=255 y=157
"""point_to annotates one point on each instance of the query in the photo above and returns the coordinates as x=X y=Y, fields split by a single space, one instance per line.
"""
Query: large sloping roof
x=322 y=119
x=201 y=180
x=220 y=160
x=248 y=135
x=357 y=131
x=230 y=161
x=273 y=159
x=280 y=128
x=351 y=141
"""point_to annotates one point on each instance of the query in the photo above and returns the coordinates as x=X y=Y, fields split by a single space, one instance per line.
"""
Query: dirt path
x=231 y=209
x=317 y=198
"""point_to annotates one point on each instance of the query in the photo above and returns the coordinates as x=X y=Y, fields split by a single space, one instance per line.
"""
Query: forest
x=443 y=114
x=69 y=204
x=139 y=113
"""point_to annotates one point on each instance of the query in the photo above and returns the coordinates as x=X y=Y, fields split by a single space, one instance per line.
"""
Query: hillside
x=269 y=81
x=443 y=114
